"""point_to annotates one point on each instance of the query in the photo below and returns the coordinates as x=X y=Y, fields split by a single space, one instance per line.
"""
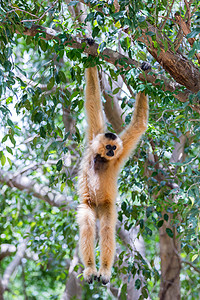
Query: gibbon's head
x=108 y=145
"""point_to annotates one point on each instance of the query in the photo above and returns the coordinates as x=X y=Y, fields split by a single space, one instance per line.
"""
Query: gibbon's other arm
x=93 y=106
x=131 y=135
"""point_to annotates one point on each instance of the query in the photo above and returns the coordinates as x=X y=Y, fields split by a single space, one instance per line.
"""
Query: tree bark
x=170 y=264
x=183 y=67
x=23 y=183
x=170 y=247
x=1 y=290
x=179 y=67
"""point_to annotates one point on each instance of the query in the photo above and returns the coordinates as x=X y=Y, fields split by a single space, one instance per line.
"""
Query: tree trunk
x=170 y=264
x=170 y=246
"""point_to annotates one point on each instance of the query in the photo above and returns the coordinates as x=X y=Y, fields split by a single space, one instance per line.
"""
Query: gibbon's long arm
x=131 y=135
x=93 y=106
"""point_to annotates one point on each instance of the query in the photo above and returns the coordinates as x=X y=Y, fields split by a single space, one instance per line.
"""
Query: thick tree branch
x=120 y=60
x=112 y=109
x=40 y=191
x=186 y=30
x=6 y=250
x=1 y=289
x=14 y=263
x=179 y=67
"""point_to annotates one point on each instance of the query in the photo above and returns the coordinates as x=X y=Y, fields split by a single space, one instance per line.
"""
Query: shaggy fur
x=99 y=170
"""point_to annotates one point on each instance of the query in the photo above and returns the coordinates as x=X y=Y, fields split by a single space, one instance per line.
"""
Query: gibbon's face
x=107 y=145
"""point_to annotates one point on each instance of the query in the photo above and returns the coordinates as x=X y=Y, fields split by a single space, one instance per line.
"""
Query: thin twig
x=191 y=265
x=22 y=10
x=40 y=18
x=164 y=22
x=188 y=13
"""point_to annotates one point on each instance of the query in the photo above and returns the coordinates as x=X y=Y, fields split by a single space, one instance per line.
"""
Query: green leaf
x=9 y=160
x=28 y=24
x=43 y=45
x=3 y=160
x=178 y=117
x=9 y=100
x=62 y=76
x=124 y=206
x=166 y=217
x=42 y=132
x=9 y=150
x=141 y=19
x=73 y=3
x=169 y=232
x=160 y=223
x=51 y=83
x=21 y=71
x=12 y=139
x=10 y=123
x=73 y=74
x=141 y=222
x=116 y=90
x=102 y=46
x=4 y=138
x=148 y=231
x=100 y=19
x=118 y=24
x=194 y=257
x=155 y=44
x=7 y=65
x=193 y=33
x=117 y=16
x=144 y=292
x=137 y=284
x=38 y=117
x=59 y=165
x=95 y=32
x=63 y=185
x=59 y=132
x=150 y=33
x=123 y=294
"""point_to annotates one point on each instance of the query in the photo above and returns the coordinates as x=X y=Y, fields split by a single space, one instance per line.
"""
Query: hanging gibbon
x=97 y=185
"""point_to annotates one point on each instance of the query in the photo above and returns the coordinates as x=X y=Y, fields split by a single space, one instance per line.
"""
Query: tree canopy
x=44 y=51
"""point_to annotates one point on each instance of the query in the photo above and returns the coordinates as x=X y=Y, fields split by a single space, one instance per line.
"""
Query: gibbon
x=97 y=184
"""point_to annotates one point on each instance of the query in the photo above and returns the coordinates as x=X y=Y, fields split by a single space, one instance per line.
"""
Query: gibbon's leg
x=107 y=216
x=86 y=218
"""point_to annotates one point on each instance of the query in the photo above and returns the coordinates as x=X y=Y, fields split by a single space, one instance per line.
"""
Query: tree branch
x=191 y=265
x=186 y=30
x=179 y=67
x=14 y=263
x=112 y=109
x=6 y=250
x=183 y=66
x=1 y=289
x=40 y=191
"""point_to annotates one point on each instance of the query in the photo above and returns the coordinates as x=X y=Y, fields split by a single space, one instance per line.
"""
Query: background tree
x=43 y=54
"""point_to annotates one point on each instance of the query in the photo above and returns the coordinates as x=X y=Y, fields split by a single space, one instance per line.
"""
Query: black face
x=110 y=149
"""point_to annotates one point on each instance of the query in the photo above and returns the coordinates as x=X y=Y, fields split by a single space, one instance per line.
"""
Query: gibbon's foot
x=104 y=276
x=88 y=274
x=145 y=66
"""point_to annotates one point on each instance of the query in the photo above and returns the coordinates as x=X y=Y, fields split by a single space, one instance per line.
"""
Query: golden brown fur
x=99 y=170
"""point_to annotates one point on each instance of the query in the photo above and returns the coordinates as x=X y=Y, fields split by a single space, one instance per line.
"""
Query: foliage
x=40 y=81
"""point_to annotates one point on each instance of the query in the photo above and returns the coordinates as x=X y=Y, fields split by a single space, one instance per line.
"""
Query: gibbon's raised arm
x=93 y=106
x=132 y=134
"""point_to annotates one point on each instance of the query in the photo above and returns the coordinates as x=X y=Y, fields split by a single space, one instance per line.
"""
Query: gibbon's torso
x=98 y=179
